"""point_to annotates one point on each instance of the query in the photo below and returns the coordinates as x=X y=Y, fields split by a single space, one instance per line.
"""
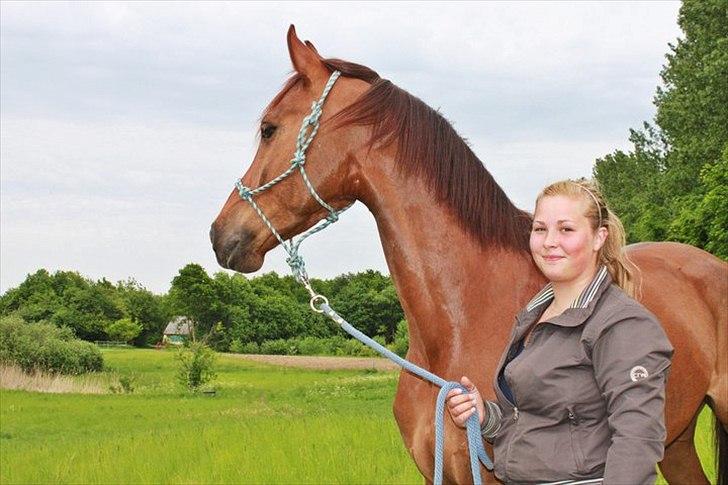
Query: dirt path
x=319 y=362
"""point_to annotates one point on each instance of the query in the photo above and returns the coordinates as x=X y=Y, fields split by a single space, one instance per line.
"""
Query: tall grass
x=265 y=425
x=13 y=377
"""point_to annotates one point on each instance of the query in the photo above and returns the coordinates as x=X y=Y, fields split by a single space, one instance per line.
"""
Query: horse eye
x=266 y=131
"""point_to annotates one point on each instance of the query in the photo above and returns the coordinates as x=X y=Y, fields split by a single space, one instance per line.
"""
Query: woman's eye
x=566 y=229
x=266 y=131
x=538 y=229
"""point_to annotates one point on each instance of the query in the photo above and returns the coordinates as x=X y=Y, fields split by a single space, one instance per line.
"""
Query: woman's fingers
x=467 y=383
x=457 y=399
x=462 y=408
x=462 y=419
x=460 y=404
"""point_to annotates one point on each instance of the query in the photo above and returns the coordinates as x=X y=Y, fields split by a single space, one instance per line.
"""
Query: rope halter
x=309 y=128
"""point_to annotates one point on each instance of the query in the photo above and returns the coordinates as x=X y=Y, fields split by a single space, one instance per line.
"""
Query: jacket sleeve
x=631 y=359
x=492 y=422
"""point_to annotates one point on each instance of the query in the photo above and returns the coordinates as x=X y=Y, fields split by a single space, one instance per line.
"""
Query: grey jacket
x=589 y=391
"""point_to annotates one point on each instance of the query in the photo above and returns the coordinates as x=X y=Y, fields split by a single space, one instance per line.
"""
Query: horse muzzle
x=233 y=250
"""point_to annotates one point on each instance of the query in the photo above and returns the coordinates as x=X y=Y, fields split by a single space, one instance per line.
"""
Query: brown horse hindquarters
x=686 y=289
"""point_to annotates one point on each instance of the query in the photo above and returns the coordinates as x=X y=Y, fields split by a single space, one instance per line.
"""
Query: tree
x=145 y=308
x=36 y=292
x=193 y=295
x=632 y=184
x=400 y=346
x=707 y=223
x=668 y=187
x=123 y=330
x=87 y=309
x=369 y=301
x=226 y=307
x=276 y=317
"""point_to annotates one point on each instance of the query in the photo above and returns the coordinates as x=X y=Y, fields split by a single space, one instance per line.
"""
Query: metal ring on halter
x=312 y=303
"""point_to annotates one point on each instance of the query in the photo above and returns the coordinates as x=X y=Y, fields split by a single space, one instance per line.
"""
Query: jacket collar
x=580 y=308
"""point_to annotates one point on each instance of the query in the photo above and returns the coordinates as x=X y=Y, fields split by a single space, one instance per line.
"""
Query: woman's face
x=563 y=244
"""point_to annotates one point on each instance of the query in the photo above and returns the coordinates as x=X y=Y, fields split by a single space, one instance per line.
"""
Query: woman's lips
x=552 y=258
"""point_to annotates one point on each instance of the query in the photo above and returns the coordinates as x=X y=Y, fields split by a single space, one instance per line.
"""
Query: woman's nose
x=552 y=239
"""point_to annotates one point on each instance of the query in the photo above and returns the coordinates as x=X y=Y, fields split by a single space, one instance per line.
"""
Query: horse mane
x=429 y=147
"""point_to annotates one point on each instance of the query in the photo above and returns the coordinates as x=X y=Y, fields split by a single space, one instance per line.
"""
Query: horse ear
x=311 y=46
x=306 y=60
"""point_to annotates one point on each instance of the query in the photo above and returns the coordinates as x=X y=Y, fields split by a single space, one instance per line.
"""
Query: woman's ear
x=600 y=238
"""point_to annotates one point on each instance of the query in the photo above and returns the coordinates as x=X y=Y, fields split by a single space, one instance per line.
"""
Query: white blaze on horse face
x=563 y=244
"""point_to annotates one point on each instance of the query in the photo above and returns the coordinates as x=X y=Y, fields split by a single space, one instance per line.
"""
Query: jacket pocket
x=577 y=449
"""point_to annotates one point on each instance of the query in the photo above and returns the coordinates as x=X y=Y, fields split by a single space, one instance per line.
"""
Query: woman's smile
x=563 y=243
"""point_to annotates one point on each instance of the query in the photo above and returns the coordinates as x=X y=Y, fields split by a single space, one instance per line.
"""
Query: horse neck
x=457 y=293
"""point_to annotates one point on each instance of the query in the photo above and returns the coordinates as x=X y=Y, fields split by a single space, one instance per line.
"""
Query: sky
x=123 y=126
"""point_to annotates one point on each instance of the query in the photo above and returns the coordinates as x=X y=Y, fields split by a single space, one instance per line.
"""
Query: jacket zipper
x=499 y=391
x=516 y=412
x=575 y=442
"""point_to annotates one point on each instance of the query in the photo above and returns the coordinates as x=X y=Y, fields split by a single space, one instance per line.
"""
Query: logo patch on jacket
x=637 y=373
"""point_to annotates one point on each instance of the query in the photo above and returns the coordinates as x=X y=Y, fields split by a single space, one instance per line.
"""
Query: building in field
x=178 y=330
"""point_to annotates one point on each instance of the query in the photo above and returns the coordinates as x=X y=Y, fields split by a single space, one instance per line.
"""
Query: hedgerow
x=43 y=346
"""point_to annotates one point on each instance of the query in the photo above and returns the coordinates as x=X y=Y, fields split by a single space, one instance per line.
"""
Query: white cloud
x=123 y=125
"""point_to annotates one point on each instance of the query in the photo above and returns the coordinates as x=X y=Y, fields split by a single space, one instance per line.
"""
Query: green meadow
x=266 y=424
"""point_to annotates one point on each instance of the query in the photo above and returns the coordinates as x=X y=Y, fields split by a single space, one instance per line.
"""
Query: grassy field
x=265 y=425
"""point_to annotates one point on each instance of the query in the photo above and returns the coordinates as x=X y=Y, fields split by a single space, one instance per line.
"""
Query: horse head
x=239 y=236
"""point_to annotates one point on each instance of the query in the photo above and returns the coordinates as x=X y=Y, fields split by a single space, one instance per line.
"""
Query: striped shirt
x=586 y=296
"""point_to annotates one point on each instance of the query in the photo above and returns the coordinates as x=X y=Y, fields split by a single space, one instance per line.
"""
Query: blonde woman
x=581 y=384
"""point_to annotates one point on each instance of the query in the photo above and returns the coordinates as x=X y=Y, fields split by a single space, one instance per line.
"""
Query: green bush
x=251 y=348
x=336 y=345
x=314 y=346
x=43 y=346
x=123 y=329
x=238 y=347
x=276 y=347
x=354 y=348
x=400 y=345
x=196 y=364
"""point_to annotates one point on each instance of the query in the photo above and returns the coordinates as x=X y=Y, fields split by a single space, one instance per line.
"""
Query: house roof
x=178 y=326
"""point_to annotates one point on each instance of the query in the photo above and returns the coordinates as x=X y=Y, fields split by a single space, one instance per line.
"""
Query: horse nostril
x=212 y=234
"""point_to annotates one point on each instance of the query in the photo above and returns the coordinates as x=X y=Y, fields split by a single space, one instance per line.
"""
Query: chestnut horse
x=457 y=250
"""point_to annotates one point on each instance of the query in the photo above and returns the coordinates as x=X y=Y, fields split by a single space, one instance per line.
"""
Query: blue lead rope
x=475 y=440
x=309 y=128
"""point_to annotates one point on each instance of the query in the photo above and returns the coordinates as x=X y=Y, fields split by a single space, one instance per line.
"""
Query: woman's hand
x=461 y=406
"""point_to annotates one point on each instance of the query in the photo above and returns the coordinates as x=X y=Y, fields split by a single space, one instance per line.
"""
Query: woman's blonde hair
x=612 y=253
